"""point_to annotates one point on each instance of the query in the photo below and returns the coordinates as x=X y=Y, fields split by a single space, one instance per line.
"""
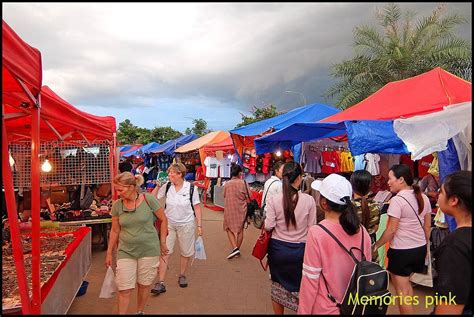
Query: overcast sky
x=163 y=64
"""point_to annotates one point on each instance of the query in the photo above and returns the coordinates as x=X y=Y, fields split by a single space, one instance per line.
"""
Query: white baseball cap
x=334 y=187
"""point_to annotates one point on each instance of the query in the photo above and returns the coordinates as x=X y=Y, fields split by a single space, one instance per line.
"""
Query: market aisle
x=216 y=285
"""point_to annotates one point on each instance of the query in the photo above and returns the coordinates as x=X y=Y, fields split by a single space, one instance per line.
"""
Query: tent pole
x=113 y=163
x=14 y=227
x=35 y=209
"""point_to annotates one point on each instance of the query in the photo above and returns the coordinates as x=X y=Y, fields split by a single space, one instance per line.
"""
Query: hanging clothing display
x=224 y=167
x=347 y=163
x=330 y=162
x=434 y=170
x=267 y=158
x=372 y=163
x=211 y=164
x=424 y=165
x=359 y=162
x=164 y=161
x=312 y=158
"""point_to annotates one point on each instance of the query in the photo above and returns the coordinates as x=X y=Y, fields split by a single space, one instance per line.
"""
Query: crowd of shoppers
x=309 y=271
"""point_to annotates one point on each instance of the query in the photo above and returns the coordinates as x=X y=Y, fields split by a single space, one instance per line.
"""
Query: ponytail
x=349 y=221
x=365 y=212
x=419 y=198
x=291 y=171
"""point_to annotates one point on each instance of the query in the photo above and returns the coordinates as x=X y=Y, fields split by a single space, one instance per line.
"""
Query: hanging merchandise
x=372 y=163
x=347 y=163
x=424 y=165
x=359 y=162
x=434 y=170
x=253 y=162
x=224 y=166
x=267 y=157
x=259 y=166
x=330 y=162
x=312 y=158
x=212 y=165
x=246 y=161
x=406 y=159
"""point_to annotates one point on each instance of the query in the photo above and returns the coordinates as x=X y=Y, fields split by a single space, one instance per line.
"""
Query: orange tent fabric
x=422 y=94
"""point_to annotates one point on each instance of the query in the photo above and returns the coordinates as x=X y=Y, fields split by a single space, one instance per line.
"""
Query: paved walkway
x=216 y=285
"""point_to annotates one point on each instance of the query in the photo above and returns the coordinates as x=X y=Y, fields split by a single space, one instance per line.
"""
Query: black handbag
x=252 y=206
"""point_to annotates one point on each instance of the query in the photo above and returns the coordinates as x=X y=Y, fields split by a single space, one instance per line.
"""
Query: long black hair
x=291 y=171
x=348 y=219
x=402 y=170
x=459 y=184
x=360 y=181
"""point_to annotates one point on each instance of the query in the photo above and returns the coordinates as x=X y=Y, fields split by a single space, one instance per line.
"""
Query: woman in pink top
x=327 y=268
x=289 y=216
x=408 y=231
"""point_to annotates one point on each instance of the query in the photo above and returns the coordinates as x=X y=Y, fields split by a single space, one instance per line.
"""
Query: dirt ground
x=216 y=285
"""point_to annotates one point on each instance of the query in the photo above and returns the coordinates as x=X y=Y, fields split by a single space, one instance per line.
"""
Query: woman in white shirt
x=182 y=220
x=273 y=185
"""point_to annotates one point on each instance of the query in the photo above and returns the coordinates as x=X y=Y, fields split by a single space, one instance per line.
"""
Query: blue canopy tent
x=170 y=146
x=245 y=136
x=363 y=136
x=142 y=150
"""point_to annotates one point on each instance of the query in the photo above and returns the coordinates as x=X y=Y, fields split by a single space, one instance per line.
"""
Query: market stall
x=422 y=115
x=38 y=127
x=193 y=153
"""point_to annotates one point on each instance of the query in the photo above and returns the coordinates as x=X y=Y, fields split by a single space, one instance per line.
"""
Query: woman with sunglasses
x=133 y=217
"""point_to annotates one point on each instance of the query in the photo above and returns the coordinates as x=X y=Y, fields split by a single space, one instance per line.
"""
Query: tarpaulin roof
x=422 y=94
x=59 y=118
x=297 y=133
x=226 y=145
x=21 y=61
x=142 y=150
x=369 y=123
x=245 y=136
x=170 y=146
x=129 y=148
x=210 y=138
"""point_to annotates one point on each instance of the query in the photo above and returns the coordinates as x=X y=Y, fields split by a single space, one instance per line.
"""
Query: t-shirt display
x=164 y=161
x=372 y=163
x=330 y=162
x=359 y=162
x=312 y=159
x=424 y=165
x=224 y=167
x=347 y=164
x=212 y=165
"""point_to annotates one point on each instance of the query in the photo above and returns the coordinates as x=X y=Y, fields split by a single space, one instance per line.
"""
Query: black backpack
x=259 y=216
x=191 y=191
x=367 y=292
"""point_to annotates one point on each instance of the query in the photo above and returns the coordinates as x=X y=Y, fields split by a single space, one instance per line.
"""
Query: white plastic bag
x=200 y=253
x=109 y=288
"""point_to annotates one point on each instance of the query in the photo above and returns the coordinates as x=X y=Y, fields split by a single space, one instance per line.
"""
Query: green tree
x=258 y=114
x=188 y=131
x=404 y=49
x=200 y=127
x=163 y=134
x=127 y=133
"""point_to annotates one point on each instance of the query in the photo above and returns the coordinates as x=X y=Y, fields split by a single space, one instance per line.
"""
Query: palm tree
x=405 y=49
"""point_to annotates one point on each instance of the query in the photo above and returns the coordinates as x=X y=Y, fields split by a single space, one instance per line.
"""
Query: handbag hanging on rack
x=260 y=249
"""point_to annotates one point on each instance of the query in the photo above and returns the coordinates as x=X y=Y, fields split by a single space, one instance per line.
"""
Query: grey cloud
x=237 y=53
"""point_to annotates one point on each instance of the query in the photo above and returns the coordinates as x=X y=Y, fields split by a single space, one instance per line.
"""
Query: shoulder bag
x=260 y=248
x=252 y=205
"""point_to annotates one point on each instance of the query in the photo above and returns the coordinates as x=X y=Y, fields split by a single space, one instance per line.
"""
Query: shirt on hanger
x=312 y=159
x=211 y=164
x=359 y=162
x=372 y=163
x=331 y=162
x=347 y=165
x=224 y=165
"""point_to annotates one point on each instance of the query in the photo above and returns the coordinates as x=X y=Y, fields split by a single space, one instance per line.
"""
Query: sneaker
x=234 y=252
x=140 y=313
x=159 y=288
x=182 y=281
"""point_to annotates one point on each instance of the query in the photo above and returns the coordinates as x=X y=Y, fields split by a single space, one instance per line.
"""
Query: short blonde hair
x=178 y=168
x=127 y=179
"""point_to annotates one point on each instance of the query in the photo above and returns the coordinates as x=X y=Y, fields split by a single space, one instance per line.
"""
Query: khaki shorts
x=131 y=271
x=186 y=238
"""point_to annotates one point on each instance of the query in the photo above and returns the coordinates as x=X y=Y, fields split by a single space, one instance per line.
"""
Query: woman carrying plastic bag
x=109 y=288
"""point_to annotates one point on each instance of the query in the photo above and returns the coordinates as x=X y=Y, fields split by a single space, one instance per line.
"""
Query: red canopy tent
x=225 y=145
x=422 y=94
x=31 y=112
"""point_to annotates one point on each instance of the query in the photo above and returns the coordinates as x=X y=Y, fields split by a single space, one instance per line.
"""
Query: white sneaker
x=234 y=252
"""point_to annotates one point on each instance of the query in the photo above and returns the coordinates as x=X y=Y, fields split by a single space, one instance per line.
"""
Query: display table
x=59 y=291
x=101 y=223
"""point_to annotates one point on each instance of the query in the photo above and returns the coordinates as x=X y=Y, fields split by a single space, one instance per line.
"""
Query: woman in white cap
x=327 y=267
